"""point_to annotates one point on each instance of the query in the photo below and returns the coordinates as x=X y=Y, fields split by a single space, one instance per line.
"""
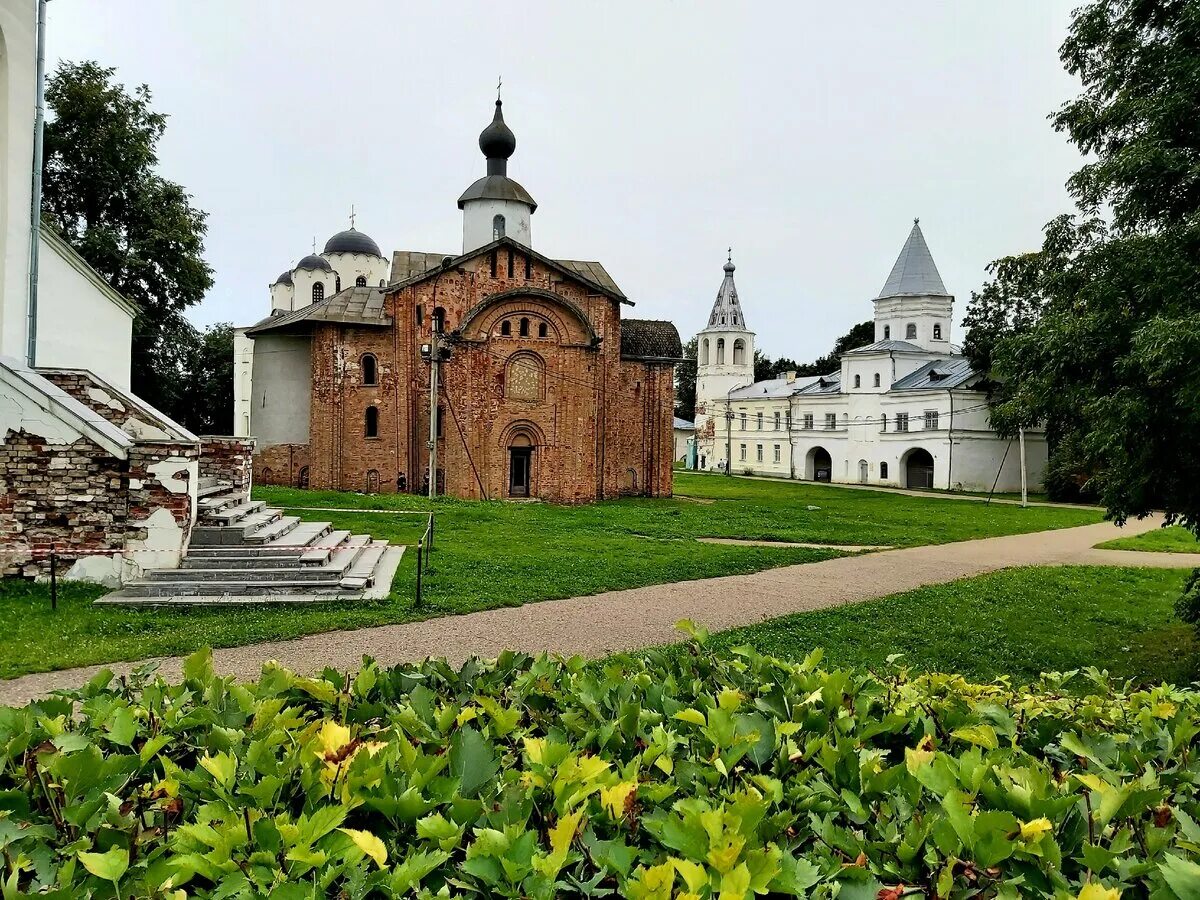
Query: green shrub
x=676 y=774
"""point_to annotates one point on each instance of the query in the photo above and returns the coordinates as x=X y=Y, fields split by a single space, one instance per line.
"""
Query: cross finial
x=916 y=221
x=351 y=215
x=499 y=81
x=314 y=243
x=729 y=258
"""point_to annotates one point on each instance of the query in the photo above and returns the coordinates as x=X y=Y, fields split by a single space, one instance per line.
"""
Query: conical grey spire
x=914 y=273
x=726 y=310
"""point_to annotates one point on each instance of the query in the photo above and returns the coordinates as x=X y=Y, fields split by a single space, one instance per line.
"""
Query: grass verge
x=1173 y=539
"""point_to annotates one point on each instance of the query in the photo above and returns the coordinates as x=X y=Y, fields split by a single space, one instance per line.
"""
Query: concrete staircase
x=243 y=552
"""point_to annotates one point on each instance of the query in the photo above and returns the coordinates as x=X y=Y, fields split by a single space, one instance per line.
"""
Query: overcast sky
x=653 y=135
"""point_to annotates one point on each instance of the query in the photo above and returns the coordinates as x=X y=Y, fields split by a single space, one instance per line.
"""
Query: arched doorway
x=864 y=471
x=302 y=478
x=520 y=465
x=918 y=468
x=818 y=466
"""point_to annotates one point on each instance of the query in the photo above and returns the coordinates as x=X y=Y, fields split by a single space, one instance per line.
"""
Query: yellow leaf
x=735 y=884
x=468 y=713
x=368 y=844
x=535 y=749
x=666 y=764
x=333 y=737
x=614 y=798
x=1093 y=782
x=722 y=855
x=1095 y=891
x=694 y=874
x=1164 y=710
x=729 y=699
x=691 y=715
x=222 y=767
x=1033 y=831
x=563 y=833
x=814 y=698
x=915 y=759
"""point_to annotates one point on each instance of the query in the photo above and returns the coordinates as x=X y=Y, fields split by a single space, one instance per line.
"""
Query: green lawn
x=502 y=554
x=1018 y=622
x=1175 y=539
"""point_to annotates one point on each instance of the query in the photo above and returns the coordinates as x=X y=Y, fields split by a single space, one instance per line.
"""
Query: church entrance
x=863 y=471
x=520 y=466
x=919 y=469
x=821 y=464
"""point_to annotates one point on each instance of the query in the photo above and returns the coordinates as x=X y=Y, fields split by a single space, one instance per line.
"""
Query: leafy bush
x=677 y=774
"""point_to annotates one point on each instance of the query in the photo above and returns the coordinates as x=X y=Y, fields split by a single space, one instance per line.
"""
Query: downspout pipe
x=35 y=211
x=950 y=443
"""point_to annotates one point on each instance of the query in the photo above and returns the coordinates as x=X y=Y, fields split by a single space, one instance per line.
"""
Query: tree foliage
x=136 y=228
x=685 y=383
x=861 y=334
x=1097 y=333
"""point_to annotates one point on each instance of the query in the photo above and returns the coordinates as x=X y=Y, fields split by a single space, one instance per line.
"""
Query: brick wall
x=228 y=459
x=282 y=464
x=162 y=480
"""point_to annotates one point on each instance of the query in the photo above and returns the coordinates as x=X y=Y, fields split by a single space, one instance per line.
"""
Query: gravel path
x=627 y=620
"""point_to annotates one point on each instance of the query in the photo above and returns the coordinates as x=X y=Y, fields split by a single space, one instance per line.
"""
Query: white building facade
x=904 y=411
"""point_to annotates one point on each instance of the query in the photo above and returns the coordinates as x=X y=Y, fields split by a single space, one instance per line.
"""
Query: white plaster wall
x=78 y=326
x=19 y=413
x=477 y=222
x=282 y=297
x=243 y=382
x=17 y=99
x=924 y=312
x=304 y=279
x=350 y=265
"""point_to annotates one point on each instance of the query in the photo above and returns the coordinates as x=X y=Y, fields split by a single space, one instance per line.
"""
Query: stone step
x=234 y=513
x=303 y=535
x=213 y=489
x=118 y=598
x=276 y=528
x=236 y=549
x=255 y=521
x=361 y=575
x=241 y=558
x=219 y=501
x=231 y=586
x=245 y=576
x=343 y=558
x=319 y=551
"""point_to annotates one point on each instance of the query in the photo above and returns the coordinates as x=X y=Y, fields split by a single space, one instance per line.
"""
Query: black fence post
x=431 y=531
x=53 y=580
x=420 y=553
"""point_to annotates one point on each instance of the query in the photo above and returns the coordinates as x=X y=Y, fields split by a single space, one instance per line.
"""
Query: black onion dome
x=285 y=278
x=312 y=261
x=497 y=140
x=352 y=241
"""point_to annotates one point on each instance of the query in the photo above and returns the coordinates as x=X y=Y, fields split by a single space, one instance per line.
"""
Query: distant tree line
x=766 y=368
x=102 y=193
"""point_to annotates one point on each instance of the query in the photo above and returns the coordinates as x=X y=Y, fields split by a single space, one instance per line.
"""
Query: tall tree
x=1097 y=334
x=137 y=229
x=685 y=383
x=208 y=405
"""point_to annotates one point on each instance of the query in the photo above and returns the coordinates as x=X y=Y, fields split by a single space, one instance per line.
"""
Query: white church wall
x=283 y=297
x=931 y=315
x=305 y=279
x=479 y=217
x=71 y=293
x=18 y=39
x=282 y=389
x=243 y=374
x=349 y=266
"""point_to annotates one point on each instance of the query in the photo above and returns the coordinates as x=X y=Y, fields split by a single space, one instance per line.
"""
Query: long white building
x=903 y=411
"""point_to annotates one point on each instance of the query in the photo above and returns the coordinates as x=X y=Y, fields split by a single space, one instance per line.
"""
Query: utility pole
x=434 y=352
x=1024 y=477
x=728 y=439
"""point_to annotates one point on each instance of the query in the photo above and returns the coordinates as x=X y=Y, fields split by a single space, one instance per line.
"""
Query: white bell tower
x=724 y=361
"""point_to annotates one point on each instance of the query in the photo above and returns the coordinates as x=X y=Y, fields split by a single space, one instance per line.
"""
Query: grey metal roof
x=824 y=384
x=592 y=271
x=352 y=241
x=684 y=424
x=285 y=278
x=497 y=187
x=914 y=273
x=772 y=388
x=937 y=374
x=353 y=306
x=726 y=311
x=883 y=346
x=312 y=261
x=650 y=339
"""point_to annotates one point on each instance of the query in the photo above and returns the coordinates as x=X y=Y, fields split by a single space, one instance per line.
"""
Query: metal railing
x=424 y=551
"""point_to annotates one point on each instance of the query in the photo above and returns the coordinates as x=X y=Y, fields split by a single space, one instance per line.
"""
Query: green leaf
x=796 y=875
x=121 y=727
x=1181 y=875
x=472 y=760
x=198 y=667
x=110 y=865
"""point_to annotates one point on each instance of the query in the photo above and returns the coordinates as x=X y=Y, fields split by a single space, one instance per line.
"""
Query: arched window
x=883 y=471
x=887 y=332
x=302 y=478
x=937 y=331
x=543 y=330
x=370 y=373
x=497 y=227
x=739 y=352
x=371 y=423
x=524 y=377
x=720 y=351
x=524 y=328
x=372 y=481
x=858 y=381
x=318 y=292
x=383 y=282
x=735 y=318
x=910 y=332
x=506 y=328
x=704 y=352
x=361 y=281
x=337 y=284
x=267 y=475
x=876 y=379
x=439 y=320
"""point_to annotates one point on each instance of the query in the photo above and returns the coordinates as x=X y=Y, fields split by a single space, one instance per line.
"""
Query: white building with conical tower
x=904 y=411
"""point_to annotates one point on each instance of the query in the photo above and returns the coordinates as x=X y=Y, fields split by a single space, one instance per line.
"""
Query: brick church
x=544 y=389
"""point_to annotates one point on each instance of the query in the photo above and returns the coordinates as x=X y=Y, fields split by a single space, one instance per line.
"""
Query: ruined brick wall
x=161 y=506
x=283 y=464
x=70 y=499
x=121 y=409
x=228 y=459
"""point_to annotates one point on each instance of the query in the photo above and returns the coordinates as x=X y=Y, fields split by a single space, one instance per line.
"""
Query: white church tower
x=495 y=206
x=913 y=305
x=724 y=360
